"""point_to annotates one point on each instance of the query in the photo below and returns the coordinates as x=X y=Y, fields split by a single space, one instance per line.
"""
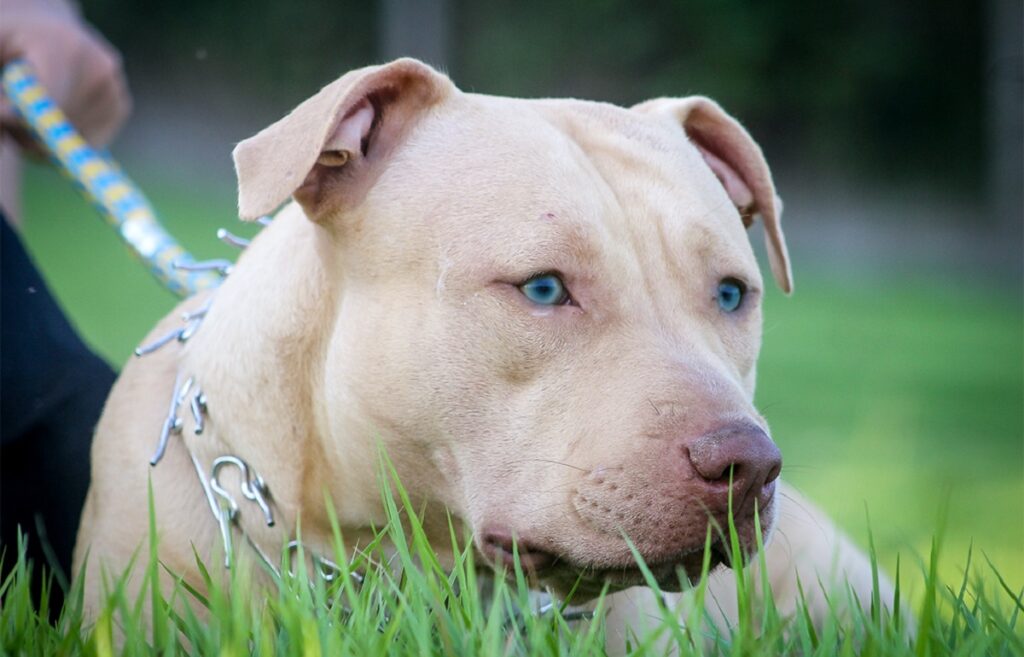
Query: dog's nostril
x=733 y=472
x=501 y=540
x=742 y=453
x=715 y=470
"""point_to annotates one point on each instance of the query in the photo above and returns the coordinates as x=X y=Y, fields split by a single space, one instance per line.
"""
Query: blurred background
x=893 y=378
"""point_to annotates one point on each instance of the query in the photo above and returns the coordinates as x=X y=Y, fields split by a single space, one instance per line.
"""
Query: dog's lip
x=501 y=549
x=531 y=561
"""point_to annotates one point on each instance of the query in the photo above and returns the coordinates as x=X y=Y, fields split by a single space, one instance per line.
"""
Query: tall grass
x=394 y=597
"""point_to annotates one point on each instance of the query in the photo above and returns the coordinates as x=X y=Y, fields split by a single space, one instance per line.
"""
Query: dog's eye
x=546 y=290
x=730 y=294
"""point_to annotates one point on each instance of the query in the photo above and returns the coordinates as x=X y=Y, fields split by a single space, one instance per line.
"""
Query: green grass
x=417 y=606
x=902 y=396
x=897 y=395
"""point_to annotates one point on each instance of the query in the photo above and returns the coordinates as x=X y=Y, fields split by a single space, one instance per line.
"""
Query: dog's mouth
x=565 y=576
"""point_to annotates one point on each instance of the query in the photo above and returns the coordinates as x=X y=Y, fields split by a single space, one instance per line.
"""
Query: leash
x=102 y=182
x=125 y=208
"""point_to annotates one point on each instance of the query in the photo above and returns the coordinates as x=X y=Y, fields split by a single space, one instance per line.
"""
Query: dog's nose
x=741 y=451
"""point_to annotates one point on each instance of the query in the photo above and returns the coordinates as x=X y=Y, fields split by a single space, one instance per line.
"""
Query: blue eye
x=730 y=294
x=546 y=290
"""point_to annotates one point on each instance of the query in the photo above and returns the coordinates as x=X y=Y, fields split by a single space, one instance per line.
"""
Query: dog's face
x=548 y=311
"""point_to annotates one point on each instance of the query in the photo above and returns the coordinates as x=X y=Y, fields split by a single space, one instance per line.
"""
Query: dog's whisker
x=551 y=461
x=544 y=507
x=795 y=501
x=781 y=533
x=807 y=513
x=229 y=238
x=558 y=487
x=810 y=466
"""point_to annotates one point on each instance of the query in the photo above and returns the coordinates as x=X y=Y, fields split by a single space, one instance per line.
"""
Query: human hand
x=78 y=68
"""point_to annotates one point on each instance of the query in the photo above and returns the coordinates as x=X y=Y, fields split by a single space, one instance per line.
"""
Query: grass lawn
x=904 y=396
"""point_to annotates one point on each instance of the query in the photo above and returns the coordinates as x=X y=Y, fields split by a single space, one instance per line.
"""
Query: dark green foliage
x=893 y=88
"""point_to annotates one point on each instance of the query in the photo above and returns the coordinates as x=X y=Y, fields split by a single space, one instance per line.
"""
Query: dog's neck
x=259 y=359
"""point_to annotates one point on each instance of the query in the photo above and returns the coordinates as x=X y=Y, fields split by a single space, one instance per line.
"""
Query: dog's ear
x=737 y=162
x=328 y=150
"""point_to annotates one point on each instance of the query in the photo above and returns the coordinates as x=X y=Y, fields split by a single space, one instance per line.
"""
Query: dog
x=547 y=312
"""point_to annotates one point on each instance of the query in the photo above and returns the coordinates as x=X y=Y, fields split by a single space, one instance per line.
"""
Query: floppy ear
x=737 y=162
x=328 y=150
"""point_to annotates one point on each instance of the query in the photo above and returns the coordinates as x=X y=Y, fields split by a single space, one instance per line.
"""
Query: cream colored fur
x=382 y=308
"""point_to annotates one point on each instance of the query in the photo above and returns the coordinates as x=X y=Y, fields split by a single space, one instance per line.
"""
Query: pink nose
x=744 y=452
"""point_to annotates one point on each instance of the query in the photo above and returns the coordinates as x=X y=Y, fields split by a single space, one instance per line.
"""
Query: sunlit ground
x=902 y=397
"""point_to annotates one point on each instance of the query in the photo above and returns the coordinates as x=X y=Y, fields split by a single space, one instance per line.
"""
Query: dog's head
x=548 y=310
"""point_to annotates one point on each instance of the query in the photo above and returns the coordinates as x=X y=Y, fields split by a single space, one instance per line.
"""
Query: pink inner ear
x=352 y=130
x=734 y=185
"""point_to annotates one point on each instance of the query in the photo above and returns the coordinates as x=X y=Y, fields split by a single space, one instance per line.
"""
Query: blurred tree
x=247 y=46
x=416 y=28
x=893 y=87
x=894 y=90
x=1005 y=77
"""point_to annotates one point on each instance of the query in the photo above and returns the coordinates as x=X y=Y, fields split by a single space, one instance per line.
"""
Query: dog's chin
x=580 y=581
x=672 y=575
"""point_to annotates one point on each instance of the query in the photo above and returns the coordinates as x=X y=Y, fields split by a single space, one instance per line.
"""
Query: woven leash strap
x=121 y=204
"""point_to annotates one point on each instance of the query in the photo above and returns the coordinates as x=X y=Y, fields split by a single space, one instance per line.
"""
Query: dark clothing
x=52 y=390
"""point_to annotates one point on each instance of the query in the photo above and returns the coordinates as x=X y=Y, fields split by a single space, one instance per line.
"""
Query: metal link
x=194 y=320
x=159 y=342
x=229 y=238
x=326 y=569
x=172 y=423
x=198 y=406
x=252 y=485
x=221 y=266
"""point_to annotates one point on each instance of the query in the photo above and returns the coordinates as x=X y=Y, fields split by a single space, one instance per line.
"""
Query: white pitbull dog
x=548 y=313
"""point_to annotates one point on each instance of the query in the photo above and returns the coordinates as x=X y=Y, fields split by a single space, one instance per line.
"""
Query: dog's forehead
x=648 y=163
x=598 y=171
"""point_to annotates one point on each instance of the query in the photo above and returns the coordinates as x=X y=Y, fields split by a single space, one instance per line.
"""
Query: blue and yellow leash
x=121 y=204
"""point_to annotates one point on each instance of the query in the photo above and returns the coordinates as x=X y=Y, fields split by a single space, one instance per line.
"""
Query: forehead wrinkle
x=656 y=197
x=684 y=206
x=672 y=260
x=645 y=218
x=618 y=236
x=531 y=242
x=558 y=231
